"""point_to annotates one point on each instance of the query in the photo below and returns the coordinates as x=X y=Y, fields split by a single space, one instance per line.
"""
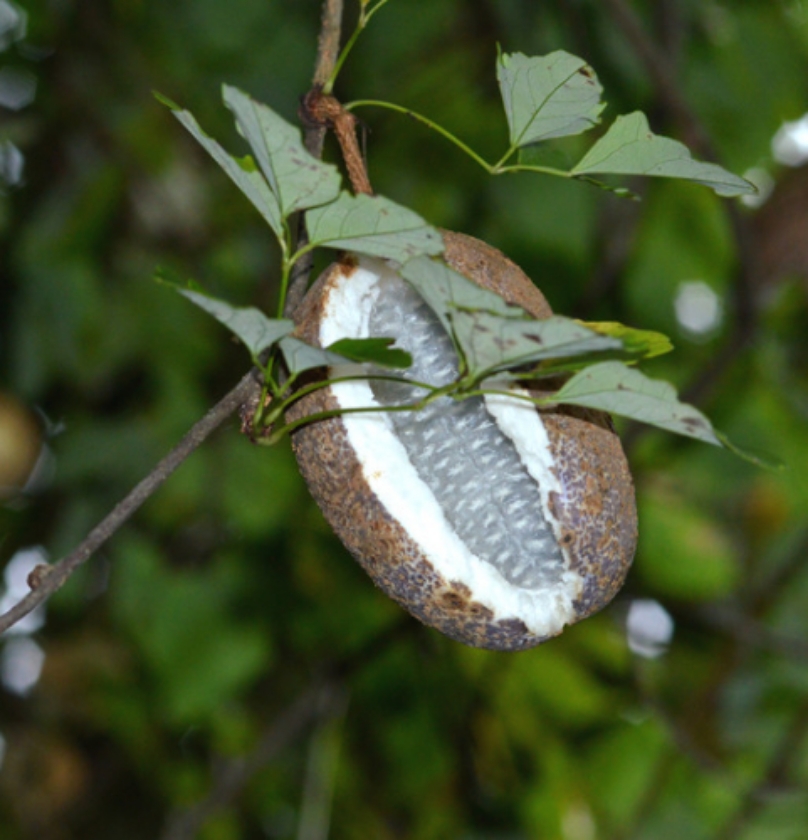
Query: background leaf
x=372 y=225
x=630 y=148
x=554 y=95
x=297 y=179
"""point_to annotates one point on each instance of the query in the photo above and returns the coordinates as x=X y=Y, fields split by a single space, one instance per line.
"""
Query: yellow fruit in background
x=20 y=445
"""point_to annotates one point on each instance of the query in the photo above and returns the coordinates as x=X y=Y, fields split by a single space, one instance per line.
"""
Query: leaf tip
x=164 y=100
x=759 y=458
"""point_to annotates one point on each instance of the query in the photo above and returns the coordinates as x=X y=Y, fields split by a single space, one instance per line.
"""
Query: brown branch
x=313 y=139
x=320 y=109
x=328 y=41
x=45 y=580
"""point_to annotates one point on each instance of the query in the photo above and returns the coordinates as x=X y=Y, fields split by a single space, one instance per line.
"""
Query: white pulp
x=468 y=480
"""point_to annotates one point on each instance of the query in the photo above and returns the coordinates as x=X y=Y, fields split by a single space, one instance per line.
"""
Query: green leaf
x=491 y=334
x=242 y=172
x=754 y=456
x=613 y=387
x=297 y=180
x=377 y=350
x=372 y=225
x=630 y=148
x=250 y=325
x=300 y=356
x=640 y=344
x=555 y=95
x=491 y=342
x=445 y=291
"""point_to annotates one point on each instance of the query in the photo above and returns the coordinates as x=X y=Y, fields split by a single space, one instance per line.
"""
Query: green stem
x=286 y=429
x=284 y=406
x=324 y=383
x=527 y=167
x=496 y=392
x=301 y=252
x=285 y=243
x=365 y=16
x=376 y=103
x=328 y=87
x=499 y=166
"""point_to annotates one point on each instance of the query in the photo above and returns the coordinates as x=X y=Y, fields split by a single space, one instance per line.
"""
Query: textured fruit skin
x=597 y=512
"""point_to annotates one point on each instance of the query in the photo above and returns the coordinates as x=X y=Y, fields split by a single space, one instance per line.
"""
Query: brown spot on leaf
x=694 y=423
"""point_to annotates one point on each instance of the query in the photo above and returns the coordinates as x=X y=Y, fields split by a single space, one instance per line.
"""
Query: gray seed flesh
x=460 y=453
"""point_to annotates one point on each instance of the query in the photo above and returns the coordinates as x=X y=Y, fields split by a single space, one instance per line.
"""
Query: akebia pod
x=493 y=521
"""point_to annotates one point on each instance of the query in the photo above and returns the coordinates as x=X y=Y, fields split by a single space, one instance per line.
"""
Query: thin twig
x=323 y=109
x=45 y=580
x=328 y=42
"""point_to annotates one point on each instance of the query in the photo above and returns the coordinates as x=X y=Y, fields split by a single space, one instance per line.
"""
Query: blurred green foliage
x=174 y=652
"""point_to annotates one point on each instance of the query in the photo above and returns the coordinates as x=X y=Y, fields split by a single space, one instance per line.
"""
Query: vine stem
x=365 y=14
x=498 y=168
x=391 y=106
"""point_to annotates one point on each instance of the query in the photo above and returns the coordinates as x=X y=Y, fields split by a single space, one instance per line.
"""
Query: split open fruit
x=493 y=521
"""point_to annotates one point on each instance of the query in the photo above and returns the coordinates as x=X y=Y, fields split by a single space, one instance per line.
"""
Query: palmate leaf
x=555 y=95
x=632 y=346
x=242 y=172
x=254 y=329
x=492 y=342
x=377 y=350
x=618 y=389
x=282 y=177
x=491 y=334
x=639 y=344
x=445 y=291
x=297 y=180
x=630 y=148
x=300 y=356
x=372 y=225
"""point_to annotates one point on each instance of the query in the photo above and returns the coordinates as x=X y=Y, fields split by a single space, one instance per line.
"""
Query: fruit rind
x=591 y=499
